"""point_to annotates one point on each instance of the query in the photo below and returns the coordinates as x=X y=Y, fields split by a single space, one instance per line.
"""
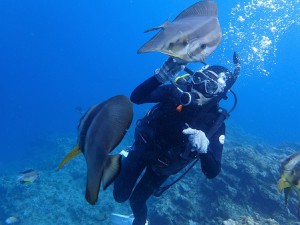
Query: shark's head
x=199 y=49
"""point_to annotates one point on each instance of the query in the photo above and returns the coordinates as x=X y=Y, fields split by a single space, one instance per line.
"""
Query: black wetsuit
x=160 y=143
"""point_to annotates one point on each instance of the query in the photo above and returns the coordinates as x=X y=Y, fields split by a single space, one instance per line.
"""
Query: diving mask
x=208 y=82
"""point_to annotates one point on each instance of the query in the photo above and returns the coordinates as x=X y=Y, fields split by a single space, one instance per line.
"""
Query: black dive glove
x=169 y=69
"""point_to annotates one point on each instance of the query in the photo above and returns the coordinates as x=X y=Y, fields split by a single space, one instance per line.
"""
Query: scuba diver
x=185 y=125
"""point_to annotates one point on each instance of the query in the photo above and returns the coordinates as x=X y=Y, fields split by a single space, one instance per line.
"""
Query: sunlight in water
x=255 y=28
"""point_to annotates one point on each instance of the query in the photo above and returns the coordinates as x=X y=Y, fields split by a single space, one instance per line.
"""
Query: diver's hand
x=169 y=69
x=236 y=59
x=197 y=139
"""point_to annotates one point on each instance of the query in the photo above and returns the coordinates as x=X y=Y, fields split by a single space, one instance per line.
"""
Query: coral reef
x=248 y=220
x=246 y=187
x=245 y=192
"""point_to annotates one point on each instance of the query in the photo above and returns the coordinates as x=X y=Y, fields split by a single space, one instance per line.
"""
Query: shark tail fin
x=112 y=170
x=72 y=154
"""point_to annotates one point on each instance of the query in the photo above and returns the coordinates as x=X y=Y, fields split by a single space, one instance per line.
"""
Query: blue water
x=268 y=106
x=58 y=55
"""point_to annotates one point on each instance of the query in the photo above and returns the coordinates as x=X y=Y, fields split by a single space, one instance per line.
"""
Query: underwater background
x=58 y=57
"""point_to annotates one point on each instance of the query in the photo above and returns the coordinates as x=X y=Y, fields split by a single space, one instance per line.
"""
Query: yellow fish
x=28 y=176
x=290 y=176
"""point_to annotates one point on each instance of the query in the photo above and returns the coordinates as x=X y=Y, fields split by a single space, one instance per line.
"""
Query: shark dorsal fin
x=203 y=8
x=163 y=26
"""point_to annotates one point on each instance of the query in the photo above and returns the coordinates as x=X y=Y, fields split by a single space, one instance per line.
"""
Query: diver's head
x=211 y=83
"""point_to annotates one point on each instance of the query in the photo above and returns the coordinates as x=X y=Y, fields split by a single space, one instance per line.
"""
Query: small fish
x=100 y=130
x=290 y=176
x=11 y=220
x=193 y=35
x=27 y=176
x=79 y=109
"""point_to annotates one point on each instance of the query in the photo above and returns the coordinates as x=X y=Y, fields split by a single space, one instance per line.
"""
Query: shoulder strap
x=221 y=118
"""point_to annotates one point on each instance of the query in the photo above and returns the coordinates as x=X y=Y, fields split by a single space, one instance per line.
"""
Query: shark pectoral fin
x=73 y=153
x=111 y=170
x=282 y=184
x=286 y=194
